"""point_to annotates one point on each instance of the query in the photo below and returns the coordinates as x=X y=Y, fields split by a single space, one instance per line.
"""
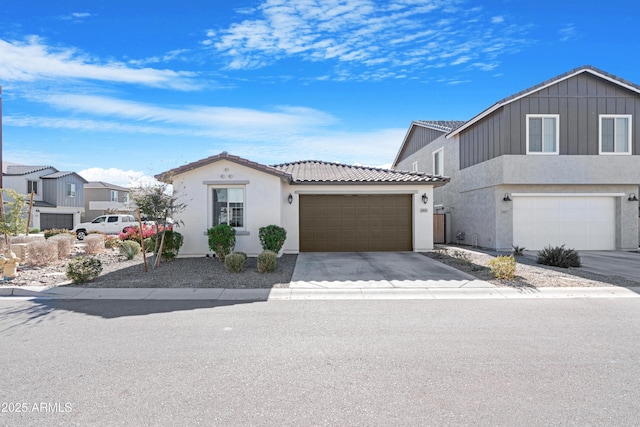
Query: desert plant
x=129 y=248
x=234 y=262
x=240 y=253
x=267 y=261
x=272 y=237
x=149 y=244
x=518 y=250
x=558 y=256
x=112 y=242
x=65 y=243
x=441 y=252
x=42 y=252
x=222 y=240
x=462 y=256
x=84 y=269
x=94 y=243
x=503 y=267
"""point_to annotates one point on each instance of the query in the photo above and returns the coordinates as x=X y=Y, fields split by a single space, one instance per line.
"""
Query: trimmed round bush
x=130 y=248
x=84 y=269
x=272 y=237
x=267 y=262
x=234 y=262
x=222 y=240
x=240 y=253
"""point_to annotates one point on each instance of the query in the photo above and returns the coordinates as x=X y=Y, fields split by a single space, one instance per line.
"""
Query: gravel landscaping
x=529 y=274
x=207 y=272
x=203 y=272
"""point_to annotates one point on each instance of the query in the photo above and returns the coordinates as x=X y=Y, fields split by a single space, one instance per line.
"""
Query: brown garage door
x=355 y=223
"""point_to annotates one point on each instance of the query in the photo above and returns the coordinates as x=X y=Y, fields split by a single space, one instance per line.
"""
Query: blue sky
x=117 y=90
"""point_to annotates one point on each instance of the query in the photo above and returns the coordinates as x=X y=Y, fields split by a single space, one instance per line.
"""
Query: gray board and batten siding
x=578 y=100
x=54 y=191
x=420 y=137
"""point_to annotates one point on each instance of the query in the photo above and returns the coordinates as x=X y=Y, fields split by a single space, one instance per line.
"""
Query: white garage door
x=578 y=222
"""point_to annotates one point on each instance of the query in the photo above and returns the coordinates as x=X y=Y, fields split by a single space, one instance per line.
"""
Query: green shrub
x=272 y=237
x=558 y=257
x=84 y=269
x=55 y=232
x=112 y=242
x=222 y=240
x=240 y=253
x=149 y=243
x=267 y=262
x=170 y=247
x=129 y=248
x=234 y=262
x=503 y=267
x=34 y=230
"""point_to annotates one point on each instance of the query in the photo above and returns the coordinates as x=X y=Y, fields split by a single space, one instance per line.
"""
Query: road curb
x=299 y=294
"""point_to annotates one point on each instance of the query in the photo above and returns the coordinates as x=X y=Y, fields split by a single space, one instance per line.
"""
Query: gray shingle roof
x=15 y=169
x=443 y=125
x=314 y=171
x=102 y=184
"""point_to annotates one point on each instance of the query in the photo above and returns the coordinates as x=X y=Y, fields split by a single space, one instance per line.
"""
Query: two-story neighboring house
x=101 y=197
x=558 y=163
x=58 y=195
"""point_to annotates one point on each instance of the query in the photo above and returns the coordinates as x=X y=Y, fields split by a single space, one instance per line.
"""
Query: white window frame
x=125 y=198
x=544 y=116
x=32 y=183
x=414 y=166
x=244 y=204
x=114 y=193
x=438 y=160
x=629 y=138
x=71 y=189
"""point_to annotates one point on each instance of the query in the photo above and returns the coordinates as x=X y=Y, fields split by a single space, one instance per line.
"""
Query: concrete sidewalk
x=293 y=294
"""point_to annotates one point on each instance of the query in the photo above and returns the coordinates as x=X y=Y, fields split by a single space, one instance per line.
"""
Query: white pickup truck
x=108 y=224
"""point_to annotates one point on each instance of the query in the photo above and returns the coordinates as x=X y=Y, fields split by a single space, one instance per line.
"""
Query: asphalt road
x=456 y=362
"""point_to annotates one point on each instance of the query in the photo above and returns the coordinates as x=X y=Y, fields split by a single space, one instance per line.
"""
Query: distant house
x=101 y=197
x=58 y=195
x=325 y=207
x=558 y=163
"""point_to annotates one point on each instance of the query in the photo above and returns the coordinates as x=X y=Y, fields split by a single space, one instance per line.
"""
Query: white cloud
x=360 y=35
x=33 y=60
x=568 y=32
x=123 y=178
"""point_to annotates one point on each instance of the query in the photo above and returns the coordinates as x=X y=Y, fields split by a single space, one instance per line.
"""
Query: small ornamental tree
x=272 y=237
x=157 y=204
x=222 y=240
x=13 y=220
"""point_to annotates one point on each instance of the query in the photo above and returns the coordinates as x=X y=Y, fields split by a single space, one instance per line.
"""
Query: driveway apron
x=353 y=270
x=612 y=263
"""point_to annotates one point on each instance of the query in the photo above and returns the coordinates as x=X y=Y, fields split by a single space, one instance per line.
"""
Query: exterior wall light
x=632 y=197
x=425 y=199
x=290 y=198
x=506 y=198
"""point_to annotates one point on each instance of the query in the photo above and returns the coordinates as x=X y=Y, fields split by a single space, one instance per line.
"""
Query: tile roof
x=15 y=169
x=319 y=172
x=218 y=157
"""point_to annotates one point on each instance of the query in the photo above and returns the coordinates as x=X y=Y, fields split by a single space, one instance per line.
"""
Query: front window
x=125 y=197
x=228 y=206
x=32 y=187
x=543 y=133
x=114 y=196
x=615 y=134
x=438 y=162
x=71 y=190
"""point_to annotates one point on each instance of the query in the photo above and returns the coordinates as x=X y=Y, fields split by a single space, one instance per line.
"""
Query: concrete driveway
x=353 y=270
x=612 y=263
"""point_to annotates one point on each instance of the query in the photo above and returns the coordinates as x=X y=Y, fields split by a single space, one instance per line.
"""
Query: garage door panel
x=579 y=222
x=357 y=223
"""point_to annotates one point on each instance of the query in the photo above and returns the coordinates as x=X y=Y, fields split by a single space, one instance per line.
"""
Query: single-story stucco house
x=324 y=207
